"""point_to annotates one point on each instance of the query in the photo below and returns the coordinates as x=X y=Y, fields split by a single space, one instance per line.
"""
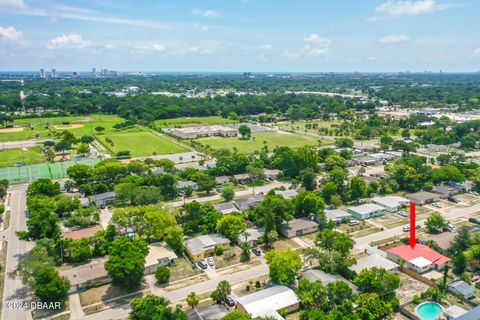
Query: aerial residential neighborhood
x=239 y=160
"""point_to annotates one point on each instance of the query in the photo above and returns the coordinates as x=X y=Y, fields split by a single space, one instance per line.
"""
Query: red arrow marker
x=413 y=239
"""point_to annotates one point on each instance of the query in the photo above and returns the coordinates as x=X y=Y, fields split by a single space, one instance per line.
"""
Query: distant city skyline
x=240 y=35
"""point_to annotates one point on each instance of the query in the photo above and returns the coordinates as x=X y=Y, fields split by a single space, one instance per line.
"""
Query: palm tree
x=193 y=300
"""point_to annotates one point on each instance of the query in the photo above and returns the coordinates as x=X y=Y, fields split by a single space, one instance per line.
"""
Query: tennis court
x=56 y=170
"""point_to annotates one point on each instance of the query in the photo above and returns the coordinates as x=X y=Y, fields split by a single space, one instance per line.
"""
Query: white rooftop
x=367 y=208
x=373 y=260
x=391 y=201
x=420 y=262
x=268 y=301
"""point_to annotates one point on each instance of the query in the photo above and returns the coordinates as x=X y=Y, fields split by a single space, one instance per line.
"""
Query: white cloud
x=410 y=8
x=394 y=38
x=206 y=13
x=476 y=53
x=151 y=47
x=10 y=34
x=265 y=46
x=318 y=40
x=12 y=4
x=68 y=40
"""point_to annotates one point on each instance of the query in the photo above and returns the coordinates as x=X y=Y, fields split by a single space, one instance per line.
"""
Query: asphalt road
x=14 y=290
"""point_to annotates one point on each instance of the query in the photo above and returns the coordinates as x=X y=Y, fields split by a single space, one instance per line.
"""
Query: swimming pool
x=429 y=310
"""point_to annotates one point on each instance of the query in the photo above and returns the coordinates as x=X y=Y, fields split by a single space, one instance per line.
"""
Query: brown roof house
x=298 y=227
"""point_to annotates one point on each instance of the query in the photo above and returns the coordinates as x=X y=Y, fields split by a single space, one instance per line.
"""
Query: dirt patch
x=9 y=130
x=69 y=126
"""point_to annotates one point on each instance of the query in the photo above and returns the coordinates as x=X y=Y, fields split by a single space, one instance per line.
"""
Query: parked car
x=202 y=265
x=436 y=205
x=230 y=301
x=406 y=229
x=474 y=220
x=453 y=199
x=256 y=251
x=353 y=223
x=210 y=261
x=418 y=226
x=451 y=228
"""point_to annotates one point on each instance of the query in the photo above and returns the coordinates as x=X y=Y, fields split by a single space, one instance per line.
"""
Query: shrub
x=219 y=251
x=2 y=208
x=416 y=299
x=162 y=274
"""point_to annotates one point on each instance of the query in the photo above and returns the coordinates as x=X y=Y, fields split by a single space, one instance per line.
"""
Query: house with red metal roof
x=419 y=259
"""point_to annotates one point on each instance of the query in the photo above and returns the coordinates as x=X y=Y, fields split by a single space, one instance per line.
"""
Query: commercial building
x=391 y=203
x=374 y=261
x=196 y=132
x=199 y=247
x=298 y=227
x=419 y=259
x=327 y=278
x=423 y=197
x=461 y=288
x=267 y=302
x=366 y=211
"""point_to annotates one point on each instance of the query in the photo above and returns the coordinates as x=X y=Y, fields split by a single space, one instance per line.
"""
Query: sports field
x=77 y=125
x=273 y=140
x=28 y=173
x=182 y=122
x=9 y=157
x=140 y=143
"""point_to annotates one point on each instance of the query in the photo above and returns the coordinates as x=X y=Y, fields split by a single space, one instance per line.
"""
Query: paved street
x=247 y=191
x=14 y=289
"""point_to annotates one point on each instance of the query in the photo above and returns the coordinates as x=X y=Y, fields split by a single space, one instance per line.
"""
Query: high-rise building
x=42 y=73
x=104 y=72
x=54 y=73
x=94 y=72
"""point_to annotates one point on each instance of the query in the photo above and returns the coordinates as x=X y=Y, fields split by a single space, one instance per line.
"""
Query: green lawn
x=78 y=125
x=140 y=143
x=9 y=157
x=182 y=122
x=273 y=140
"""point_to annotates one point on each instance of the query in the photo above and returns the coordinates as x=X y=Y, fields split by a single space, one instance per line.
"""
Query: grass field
x=300 y=125
x=9 y=157
x=140 y=143
x=182 y=122
x=78 y=125
x=273 y=140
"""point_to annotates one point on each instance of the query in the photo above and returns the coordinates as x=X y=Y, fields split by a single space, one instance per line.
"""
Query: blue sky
x=241 y=35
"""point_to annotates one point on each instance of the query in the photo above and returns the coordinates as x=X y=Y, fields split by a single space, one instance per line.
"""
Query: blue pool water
x=429 y=310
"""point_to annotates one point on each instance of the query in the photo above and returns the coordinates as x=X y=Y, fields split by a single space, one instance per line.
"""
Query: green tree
x=236 y=315
x=284 y=266
x=99 y=129
x=344 y=143
x=126 y=262
x=244 y=131
x=230 y=225
x=220 y=294
x=205 y=182
x=459 y=263
x=435 y=223
x=308 y=179
x=162 y=274
x=174 y=238
x=83 y=149
x=193 y=300
x=379 y=281
x=271 y=213
x=228 y=193
x=153 y=307
x=358 y=188
x=369 y=306
x=43 y=187
x=309 y=204
x=50 y=287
